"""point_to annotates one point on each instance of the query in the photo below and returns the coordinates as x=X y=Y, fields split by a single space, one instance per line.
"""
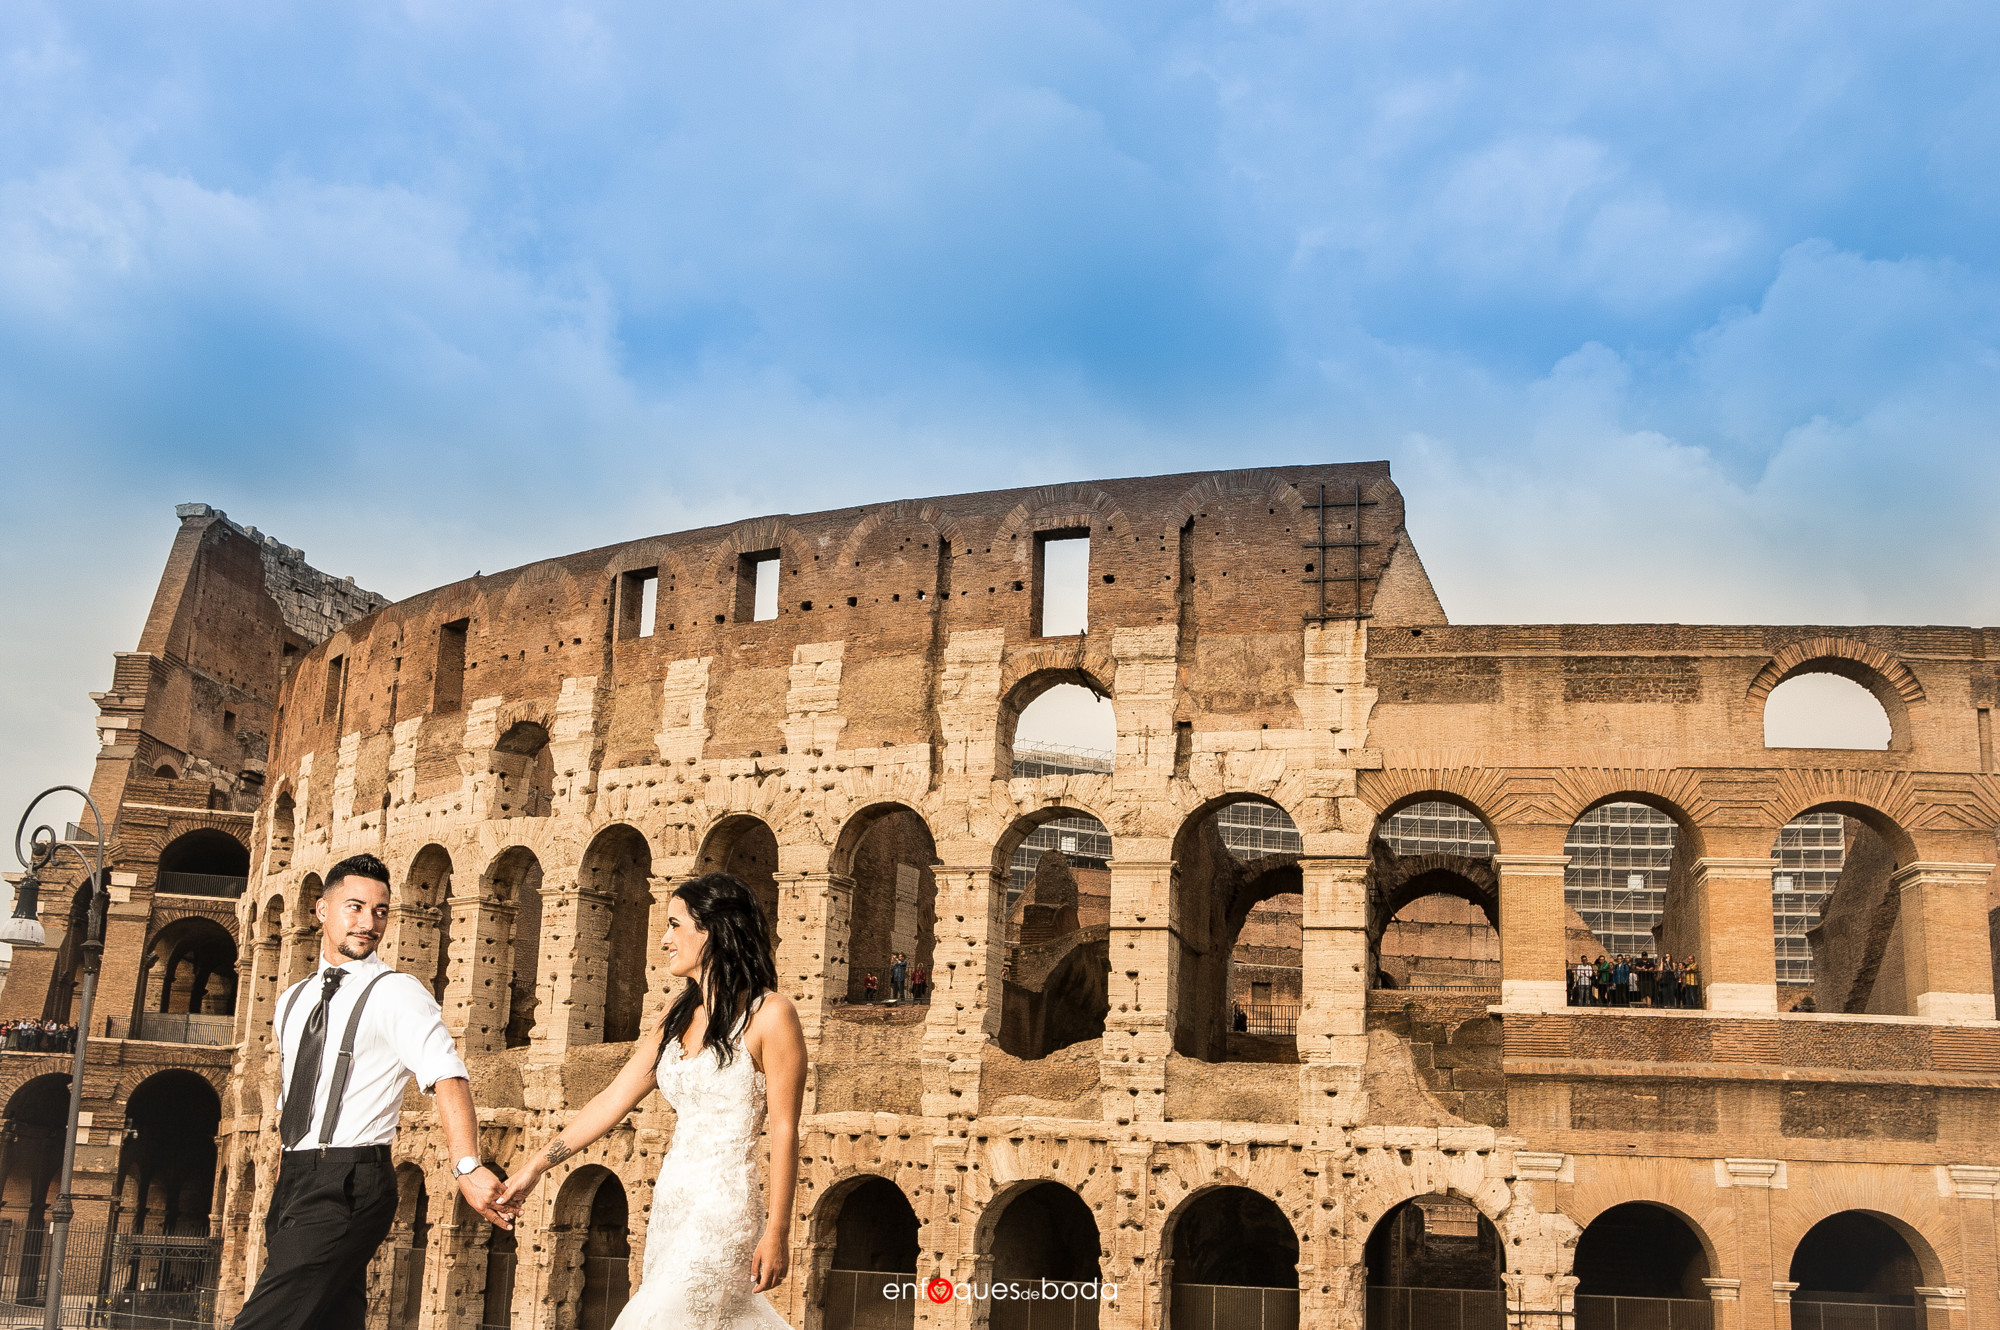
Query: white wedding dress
x=707 y=1211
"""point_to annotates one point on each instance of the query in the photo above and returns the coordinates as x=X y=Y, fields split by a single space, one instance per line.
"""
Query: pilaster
x=1143 y=983
x=1947 y=957
x=1532 y=917
x=1739 y=967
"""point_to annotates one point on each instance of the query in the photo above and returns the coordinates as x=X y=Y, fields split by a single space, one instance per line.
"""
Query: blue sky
x=1683 y=312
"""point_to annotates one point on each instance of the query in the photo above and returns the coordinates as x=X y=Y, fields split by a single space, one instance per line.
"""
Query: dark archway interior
x=527 y=771
x=208 y=853
x=196 y=960
x=877 y=1229
x=167 y=1165
x=1855 y=1257
x=1640 y=1251
x=429 y=889
x=1046 y=1232
x=895 y=901
x=607 y=1258
x=1077 y=998
x=1219 y=883
x=33 y=1142
x=747 y=850
x=516 y=879
x=1435 y=1242
x=617 y=865
x=1235 y=1236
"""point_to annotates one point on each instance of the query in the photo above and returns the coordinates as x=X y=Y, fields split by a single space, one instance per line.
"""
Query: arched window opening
x=1806 y=860
x=892 y=923
x=1236 y=1263
x=166 y=1165
x=617 y=923
x=747 y=849
x=526 y=770
x=1241 y=934
x=204 y=863
x=1435 y=1261
x=188 y=994
x=164 y=771
x=305 y=930
x=396 y=1275
x=423 y=931
x=1066 y=730
x=516 y=879
x=69 y=956
x=875 y=1235
x=284 y=818
x=1816 y=710
x=34 y=1120
x=1442 y=943
x=497 y=1299
x=1056 y=991
x=1623 y=868
x=1853 y=937
x=1850 y=1261
x=1640 y=1264
x=607 y=1259
x=1045 y=1232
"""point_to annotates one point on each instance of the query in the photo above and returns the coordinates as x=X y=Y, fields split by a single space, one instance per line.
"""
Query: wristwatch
x=469 y=1164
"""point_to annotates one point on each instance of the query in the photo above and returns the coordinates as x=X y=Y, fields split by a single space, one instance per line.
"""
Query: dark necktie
x=296 y=1120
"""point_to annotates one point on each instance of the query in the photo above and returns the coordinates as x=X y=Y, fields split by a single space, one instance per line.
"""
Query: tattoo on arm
x=557 y=1153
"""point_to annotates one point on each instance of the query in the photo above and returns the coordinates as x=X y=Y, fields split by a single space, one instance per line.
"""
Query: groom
x=351 y=1037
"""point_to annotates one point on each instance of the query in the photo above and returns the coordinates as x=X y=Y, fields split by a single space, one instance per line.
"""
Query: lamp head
x=25 y=929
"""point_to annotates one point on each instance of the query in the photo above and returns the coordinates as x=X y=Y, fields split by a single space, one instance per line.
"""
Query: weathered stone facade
x=539 y=769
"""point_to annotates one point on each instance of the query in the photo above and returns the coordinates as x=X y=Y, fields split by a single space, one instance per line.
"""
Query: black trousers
x=328 y=1215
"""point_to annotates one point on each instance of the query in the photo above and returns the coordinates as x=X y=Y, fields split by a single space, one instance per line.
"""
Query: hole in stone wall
x=1062 y=583
x=757 y=586
x=638 y=602
x=448 y=680
x=1067 y=730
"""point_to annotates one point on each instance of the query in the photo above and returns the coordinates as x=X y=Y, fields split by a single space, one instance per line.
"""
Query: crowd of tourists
x=37 y=1037
x=905 y=981
x=1635 y=981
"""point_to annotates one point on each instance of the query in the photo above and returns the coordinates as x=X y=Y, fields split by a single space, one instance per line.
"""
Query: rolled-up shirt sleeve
x=421 y=1042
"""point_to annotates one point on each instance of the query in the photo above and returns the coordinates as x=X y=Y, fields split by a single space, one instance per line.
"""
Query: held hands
x=772 y=1260
x=482 y=1191
x=514 y=1191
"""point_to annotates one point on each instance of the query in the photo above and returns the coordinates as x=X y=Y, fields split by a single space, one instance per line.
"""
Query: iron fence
x=1391 y=1307
x=1812 y=1314
x=173 y=1028
x=1611 y=1313
x=855 y=1300
x=1229 y=1307
x=200 y=884
x=111 y=1280
x=1270 y=1019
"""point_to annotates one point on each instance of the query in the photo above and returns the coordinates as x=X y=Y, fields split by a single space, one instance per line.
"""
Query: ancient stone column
x=1947 y=957
x=1731 y=899
x=576 y=946
x=1750 y=1182
x=1532 y=917
x=1976 y=1188
x=967 y=952
x=481 y=974
x=812 y=952
x=1722 y=1298
x=1145 y=977
x=1333 y=1010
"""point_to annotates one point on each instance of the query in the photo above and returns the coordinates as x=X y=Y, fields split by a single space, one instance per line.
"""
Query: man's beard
x=356 y=951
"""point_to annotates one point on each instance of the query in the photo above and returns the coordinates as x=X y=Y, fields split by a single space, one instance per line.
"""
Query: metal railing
x=1231 y=1307
x=1813 y=1314
x=119 y=1281
x=854 y=1300
x=174 y=1028
x=200 y=884
x=1270 y=1019
x=1032 y=761
x=1615 y=1313
x=1391 y=1307
x=1042 y=1314
x=1465 y=987
x=607 y=1286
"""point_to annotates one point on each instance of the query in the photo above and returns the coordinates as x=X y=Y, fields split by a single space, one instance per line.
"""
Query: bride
x=722 y=1045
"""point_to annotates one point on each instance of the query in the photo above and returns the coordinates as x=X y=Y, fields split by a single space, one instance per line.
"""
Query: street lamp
x=25 y=930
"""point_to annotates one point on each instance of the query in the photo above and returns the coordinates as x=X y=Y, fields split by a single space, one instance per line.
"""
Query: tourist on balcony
x=1600 y=982
x=869 y=986
x=899 y=977
x=1581 y=976
x=1621 y=975
x=920 y=983
x=1691 y=984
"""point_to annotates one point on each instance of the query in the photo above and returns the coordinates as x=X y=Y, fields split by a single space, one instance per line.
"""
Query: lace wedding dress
x=707 y=1210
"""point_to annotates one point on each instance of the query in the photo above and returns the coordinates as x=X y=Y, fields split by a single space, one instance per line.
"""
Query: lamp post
x=25 y=930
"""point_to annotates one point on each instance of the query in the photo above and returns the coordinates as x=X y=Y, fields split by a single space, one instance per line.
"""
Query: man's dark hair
x=358 y=865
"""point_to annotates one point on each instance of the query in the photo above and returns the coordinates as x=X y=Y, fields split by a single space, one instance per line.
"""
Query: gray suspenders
x=344 y=1063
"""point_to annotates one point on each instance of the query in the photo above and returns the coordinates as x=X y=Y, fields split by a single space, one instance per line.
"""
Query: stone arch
x=1432 y=917
x=1864 y=1255
x=167 y=1161
x=513 y=881
x=744 y=846
x=421 y=911
x=1034 y=673
x=525 y=766
x=189 y=968
x=1858 y=944
x=1234 y=1261
x=1254 y=486
x=1040 y=1228
x=765 y=533
x=887 y=854
x=1435 y=1255
x=1405 y=800
x=37 y=1110
x=396 y=1277
x=280 y=830
x=613 y=931
x=862 y=1229
x=1885 y=677
x=903 y=510
x=1632 y=854
x=1217 y=881
x=1057 y=507
x=207 y=861
x=1640 y=1249
x=589 y=1227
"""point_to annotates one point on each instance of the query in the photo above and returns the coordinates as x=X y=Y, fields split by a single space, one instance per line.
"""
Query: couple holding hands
x=726 y=1051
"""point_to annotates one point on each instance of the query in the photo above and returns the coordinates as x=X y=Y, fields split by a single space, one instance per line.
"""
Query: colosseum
x=1258 y=1011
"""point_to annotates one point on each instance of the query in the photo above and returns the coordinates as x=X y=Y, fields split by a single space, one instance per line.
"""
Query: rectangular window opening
x=1986 y=739
x=336 y=676
x=448 y=688
x=1062 y=583
x=638 y=602
x=229 y=722
x=757 y=586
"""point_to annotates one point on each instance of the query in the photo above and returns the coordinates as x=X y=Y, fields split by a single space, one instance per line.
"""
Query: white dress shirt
x=402 y=1034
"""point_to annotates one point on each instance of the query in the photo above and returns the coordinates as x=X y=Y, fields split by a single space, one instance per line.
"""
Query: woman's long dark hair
x=736 y=966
